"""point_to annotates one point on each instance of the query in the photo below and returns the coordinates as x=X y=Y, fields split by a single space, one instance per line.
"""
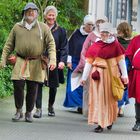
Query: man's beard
x=31 y=18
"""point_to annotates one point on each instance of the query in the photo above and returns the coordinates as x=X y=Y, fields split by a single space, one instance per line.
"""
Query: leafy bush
x=10 y=13
x=6 y=87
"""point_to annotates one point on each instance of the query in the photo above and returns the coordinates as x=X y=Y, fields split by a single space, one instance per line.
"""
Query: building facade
x=117 y=11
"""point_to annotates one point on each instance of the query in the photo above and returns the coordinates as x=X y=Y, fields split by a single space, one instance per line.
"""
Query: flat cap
x=30 y=5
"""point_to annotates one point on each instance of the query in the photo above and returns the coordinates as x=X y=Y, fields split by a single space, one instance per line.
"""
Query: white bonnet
x=51 y=7
x=106 y=26
x=102 y=18
x=87 y=19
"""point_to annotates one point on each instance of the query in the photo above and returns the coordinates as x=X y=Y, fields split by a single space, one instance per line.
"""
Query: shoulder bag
x=116 y=85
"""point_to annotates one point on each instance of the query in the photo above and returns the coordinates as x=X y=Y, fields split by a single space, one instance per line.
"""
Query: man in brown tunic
x=29 y=39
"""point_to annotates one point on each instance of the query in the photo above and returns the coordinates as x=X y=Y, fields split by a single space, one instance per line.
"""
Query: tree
x=85 y=5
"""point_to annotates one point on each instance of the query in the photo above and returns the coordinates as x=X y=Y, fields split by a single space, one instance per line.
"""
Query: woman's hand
x=69 y=65
x=83 y=82
x=61 y=65
x=125 y=81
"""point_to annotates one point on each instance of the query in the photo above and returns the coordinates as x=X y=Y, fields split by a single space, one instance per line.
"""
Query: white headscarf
x=106 y=26
x=88 y=19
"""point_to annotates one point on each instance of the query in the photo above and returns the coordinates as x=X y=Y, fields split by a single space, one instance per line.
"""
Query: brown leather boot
x=28 y=117
x=18 y=116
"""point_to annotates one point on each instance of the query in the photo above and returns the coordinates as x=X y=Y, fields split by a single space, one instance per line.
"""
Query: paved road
x=67 y=125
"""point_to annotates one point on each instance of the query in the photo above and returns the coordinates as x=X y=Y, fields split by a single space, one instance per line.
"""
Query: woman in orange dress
x=102 y=105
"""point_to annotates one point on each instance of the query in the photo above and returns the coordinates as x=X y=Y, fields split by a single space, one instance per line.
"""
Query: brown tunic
x=28 y=43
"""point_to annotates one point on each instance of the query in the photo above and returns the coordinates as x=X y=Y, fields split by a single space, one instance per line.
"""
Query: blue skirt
x=73 y=98
x=125 y=99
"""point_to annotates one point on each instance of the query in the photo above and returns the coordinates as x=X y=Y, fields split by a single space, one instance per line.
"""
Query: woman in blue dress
x=74 y=98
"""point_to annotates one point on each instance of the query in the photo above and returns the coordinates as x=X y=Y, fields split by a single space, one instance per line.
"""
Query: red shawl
x=105 y=50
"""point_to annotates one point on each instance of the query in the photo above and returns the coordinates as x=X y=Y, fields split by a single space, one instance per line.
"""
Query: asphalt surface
x=67 y=125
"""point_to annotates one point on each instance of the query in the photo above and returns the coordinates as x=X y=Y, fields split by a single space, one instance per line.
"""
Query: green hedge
x=6 y=87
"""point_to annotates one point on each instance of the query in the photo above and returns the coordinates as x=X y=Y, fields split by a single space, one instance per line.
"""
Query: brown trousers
x=31 y=92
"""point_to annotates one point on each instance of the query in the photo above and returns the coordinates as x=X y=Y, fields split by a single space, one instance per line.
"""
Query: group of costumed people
x=91 y=54
x=100 y=50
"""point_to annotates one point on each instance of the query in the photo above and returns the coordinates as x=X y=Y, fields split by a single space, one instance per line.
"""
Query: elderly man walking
x=29 y=39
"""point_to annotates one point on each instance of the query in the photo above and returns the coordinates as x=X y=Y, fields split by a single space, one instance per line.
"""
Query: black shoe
x=51 y=112
x=136 y=127
x=110 y=127
x=28 y=117
x=38 y=113
x=18 y=116
x=98 y=129
x=79 y=110
x=120 y=114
